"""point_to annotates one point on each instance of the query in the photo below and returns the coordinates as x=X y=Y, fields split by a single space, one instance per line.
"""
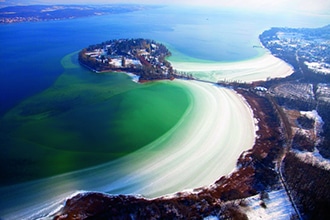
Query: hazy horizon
x=316 y=6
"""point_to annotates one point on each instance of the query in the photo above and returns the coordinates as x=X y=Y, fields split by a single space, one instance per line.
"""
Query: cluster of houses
x=128 y=55
x=311 y=46
x=116 y=61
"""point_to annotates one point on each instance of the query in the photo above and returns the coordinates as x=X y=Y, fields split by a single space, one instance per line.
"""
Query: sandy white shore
x=202 y=147
x=260 y=68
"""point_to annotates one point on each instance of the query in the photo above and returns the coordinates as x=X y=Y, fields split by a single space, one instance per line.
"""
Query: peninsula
x=288 y=164
x=142 y=57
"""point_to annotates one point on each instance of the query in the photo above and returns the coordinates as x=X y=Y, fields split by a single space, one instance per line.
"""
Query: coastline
x=245 y=181
x=162 y=161
x=47 y=196
x=203 y=93
x=135 y=78
x=262 y=67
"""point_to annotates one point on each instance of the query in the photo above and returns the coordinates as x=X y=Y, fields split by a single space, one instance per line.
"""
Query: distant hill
x=33 y=13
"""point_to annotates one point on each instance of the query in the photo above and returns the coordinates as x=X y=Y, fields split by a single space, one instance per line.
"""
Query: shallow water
x=58 y=117
x=204 y=145
x=31 y=52
x=86 y=119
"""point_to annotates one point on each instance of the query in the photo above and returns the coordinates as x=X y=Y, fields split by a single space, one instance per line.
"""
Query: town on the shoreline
x=142 y=57
x=37 y=13
x=307 y=47
x=292 y=143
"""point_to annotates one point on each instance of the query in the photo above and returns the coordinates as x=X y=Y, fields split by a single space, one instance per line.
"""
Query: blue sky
x=314 y=6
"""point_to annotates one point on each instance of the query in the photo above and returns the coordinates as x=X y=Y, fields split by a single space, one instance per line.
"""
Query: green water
x=86 y=119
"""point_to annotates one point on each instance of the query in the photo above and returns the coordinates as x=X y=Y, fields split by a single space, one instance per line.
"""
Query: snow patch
x=314 y=158
x=318 y=67
x=211 y=218
x=313 y=115
x=318 y=122
x=277 y=206
x=323 y=92
x=116 y=62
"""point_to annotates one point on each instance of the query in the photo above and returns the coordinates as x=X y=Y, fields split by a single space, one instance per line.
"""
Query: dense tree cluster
x=150 y=54
x=309 y=186
x=324 y=147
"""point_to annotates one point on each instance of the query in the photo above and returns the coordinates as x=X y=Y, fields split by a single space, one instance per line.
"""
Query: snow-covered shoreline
x=204 y=145
x=260 y=68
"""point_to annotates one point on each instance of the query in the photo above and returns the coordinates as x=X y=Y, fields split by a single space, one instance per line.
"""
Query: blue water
x=31 y=52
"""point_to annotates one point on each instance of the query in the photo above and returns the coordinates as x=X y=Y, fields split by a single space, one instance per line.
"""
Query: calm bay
x=59 y=119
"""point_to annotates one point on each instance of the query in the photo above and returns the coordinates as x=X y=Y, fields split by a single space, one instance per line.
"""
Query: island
x=288 y=168
x=142 y=57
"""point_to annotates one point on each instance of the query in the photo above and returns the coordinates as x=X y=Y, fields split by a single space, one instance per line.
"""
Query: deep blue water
x=30 y=62
x=30 y=53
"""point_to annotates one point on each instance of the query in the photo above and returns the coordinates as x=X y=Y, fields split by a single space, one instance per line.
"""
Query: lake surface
x=57 y=117
x=30 y=49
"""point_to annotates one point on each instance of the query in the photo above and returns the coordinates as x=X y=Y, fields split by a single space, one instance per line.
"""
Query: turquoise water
x=31 y=52
x=85 y=119
x=58 y=117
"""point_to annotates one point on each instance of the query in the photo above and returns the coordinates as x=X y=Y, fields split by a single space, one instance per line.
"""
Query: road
x=287 y=131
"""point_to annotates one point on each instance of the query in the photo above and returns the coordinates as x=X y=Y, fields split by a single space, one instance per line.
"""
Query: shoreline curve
x=184 y=158
x=262 y=67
